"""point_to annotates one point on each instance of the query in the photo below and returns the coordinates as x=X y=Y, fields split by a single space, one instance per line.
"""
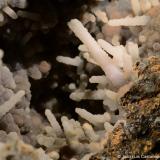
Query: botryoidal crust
x=139 y=137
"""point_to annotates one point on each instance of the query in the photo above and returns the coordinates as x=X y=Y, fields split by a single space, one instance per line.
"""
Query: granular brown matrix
x=140 y=135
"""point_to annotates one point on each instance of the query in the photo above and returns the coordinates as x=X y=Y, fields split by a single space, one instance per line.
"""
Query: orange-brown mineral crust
x=141 y=134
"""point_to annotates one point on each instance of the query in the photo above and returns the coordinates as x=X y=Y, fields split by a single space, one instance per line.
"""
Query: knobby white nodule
x=5 y=7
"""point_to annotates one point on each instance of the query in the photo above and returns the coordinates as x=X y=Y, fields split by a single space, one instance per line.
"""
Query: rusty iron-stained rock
x=141 y=134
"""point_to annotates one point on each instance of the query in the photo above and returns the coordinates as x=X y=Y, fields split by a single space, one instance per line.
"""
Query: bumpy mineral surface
x=139 y=137
x=149 y=37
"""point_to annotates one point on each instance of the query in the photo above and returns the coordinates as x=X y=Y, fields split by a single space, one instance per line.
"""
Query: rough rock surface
x=140 y=135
